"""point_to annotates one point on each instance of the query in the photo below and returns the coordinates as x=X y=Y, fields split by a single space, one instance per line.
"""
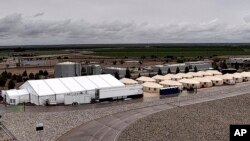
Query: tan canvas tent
x=215 y=80
x=190 y=83
x=174 y=77
x=214 y=72
x=171 y=83
x=144 y=79
x=227 y=79
x=245 y=76
x=151 y=87
x=195 y=74
x=128 y=81
x=205 y=83
x=160 y=78
x=237 y=78
x=184 y=75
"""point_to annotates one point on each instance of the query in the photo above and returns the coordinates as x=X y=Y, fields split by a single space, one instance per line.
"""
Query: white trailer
x=120 y=92
x=70 y=99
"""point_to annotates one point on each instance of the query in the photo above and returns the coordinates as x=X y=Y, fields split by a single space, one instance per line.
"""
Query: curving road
x=108 y=128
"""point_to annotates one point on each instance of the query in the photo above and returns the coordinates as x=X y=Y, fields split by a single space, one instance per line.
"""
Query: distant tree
x=169 y=71
x=40 y=72
x=25 y=74
x=128 y=75
x=180 y=60
x=159 y=72
x=9 y=75
x=4 y=74
x=140 y=62
x=14 y=77
x=11 y=84
x=177 y=70
x=66 y=57
x=186 y=69
x=121 y=61
x=59 y=57
x=37 y=76
x=139 y=75
x=114 y=62
x=143 y=57
x=31 y=76
x=45 y=73
x=195 y=69
x=236 y=66
x=19 y=78
x=224 y=65
x=2 y=81
x=117 y=76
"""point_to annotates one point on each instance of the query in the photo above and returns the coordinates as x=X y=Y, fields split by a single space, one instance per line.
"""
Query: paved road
x=108 y=128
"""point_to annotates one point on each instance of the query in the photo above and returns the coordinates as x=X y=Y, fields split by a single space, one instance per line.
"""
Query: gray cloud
x=15 y=29
x=38 y=14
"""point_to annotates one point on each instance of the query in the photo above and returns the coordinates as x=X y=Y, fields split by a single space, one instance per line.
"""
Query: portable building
x=14 y=97
x=171 y=83
x=128 y=81
x=227 y=79
x=237 y=78
x=190 y=83
x=160 y=78
x=215 y=80
x=144 y=79
x=204 y=82
x=151 y=87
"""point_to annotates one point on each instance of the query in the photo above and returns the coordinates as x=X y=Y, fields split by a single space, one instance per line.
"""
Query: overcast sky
x=123 y=21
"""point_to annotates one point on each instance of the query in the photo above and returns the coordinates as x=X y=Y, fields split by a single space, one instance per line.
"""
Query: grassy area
x=170 y=51
x=5 y=53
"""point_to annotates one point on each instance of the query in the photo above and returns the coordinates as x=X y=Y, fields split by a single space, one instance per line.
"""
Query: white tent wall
x=17 y=96
x=33 y=95
x=76 y=98
x=120 y=91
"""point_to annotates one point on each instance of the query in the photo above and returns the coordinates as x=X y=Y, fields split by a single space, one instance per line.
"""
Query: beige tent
x=237 y=78
x=245 y=76
x=215 y=80
x=214 y=72
x=195 y=74
x=144 y=79
x=190 y=83
x=184 y=75
x=205 y=83
x=171 y=83
x=128 y=81
x=174 y=77
x=160 y=78
x=227 y=79
x=151 y=87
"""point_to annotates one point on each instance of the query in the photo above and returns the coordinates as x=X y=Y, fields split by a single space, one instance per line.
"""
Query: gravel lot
x=22 y=125
x=204 y=121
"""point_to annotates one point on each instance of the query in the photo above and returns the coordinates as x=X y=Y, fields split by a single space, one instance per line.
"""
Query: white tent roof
x=195 y=74
x=128 y=81
x=173 y=76
x=152 y=85
x=184 y=75
x=15 y=92
x=225 y=76
x=57 y=86
x=86 y=83
x=71 y=84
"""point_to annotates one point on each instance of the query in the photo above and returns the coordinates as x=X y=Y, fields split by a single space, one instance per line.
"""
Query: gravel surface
x=204 y=121
x=23 y=124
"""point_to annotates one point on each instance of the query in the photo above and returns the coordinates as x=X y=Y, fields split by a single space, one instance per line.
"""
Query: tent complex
x=79 y=90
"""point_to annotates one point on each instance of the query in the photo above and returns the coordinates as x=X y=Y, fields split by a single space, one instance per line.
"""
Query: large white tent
x=56 y=89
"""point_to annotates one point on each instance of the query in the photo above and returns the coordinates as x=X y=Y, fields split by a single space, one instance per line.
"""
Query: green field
x=5 y=53
x=170 y=51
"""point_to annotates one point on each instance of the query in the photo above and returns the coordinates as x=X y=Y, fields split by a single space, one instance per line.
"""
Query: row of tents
x=195 y=80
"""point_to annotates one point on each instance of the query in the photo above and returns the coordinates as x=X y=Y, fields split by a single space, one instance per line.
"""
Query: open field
x=5 y=53
x=204 y=121
x=173 y=51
